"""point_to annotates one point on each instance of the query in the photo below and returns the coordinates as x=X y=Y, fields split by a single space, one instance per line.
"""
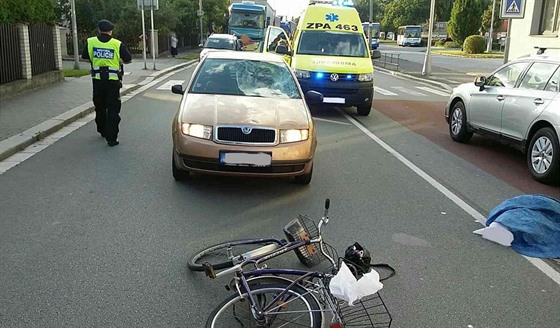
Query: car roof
x=222 y=36
x=250 y=55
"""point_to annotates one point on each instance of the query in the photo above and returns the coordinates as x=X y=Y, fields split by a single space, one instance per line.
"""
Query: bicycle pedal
x=209 y=270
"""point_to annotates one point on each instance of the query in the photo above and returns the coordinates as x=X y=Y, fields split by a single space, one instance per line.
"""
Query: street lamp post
x=75 y=36
x=370 y=26
x=427 y=68
x=489 y=46
x=200 y=16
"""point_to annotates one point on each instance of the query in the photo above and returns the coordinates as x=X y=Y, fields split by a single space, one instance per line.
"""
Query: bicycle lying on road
x=266 y=297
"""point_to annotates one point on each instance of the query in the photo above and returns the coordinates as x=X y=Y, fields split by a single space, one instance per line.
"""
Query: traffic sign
x=512 y=9
x=148 y=4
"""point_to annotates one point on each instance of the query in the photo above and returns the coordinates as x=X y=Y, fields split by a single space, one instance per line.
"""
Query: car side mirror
x=480 y=81
x=283 y=50
x=200 y=45
x=375 y=54
x=178 y=89
x=313 y=97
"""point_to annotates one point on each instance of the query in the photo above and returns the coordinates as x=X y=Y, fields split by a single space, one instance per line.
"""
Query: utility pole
x=152 y=34
x=489 y=46
x=200 y=16
x=75 y=36
x=427 y=68
x=144 y=43
x=370 y=26
x=508 y=38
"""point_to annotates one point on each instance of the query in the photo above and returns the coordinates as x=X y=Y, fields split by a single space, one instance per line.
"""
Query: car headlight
x=197 y=130
x=302 y=74
x=365 y=77
x=293 y=135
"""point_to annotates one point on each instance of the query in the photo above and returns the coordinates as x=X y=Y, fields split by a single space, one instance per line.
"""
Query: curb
x=412 y=77
x=14 y=144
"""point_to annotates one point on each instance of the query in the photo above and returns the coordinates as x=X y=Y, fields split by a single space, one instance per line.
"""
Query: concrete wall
x=524 y=33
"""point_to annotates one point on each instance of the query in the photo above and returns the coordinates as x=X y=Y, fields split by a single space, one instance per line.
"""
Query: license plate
x=246 y=159
x=333 y=100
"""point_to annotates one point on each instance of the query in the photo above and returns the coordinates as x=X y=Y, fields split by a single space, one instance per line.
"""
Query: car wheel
x=364 y=110
x=543 y=156
x=458 y=123
x=178 y=174
x=304 y=179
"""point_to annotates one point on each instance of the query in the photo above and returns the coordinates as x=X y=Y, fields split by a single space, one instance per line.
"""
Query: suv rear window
x=554 y=82
x=538 y=76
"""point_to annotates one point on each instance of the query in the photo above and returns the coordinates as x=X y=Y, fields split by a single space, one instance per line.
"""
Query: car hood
x=204 y=51
x=243 y=110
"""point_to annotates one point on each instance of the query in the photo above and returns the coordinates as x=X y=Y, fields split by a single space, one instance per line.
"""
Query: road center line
x=540 y=264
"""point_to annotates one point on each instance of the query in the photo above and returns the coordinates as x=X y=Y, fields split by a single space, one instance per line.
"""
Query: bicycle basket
x=370 y=311
x=303 y=228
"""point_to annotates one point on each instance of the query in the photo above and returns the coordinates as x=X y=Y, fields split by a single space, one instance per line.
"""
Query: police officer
x=106 y=54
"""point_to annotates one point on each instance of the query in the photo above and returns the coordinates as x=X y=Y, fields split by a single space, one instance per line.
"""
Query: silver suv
x=518 y=104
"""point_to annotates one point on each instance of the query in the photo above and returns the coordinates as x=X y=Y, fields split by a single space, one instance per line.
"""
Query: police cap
x=105 y=25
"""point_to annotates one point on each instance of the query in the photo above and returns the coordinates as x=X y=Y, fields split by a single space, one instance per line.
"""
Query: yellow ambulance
x=329 y=53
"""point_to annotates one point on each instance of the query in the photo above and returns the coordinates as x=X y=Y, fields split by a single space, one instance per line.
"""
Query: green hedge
x=451 y=44
x=474 y=44
x=27 y=11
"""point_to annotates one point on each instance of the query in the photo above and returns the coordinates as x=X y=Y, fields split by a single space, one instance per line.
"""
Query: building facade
x=538 y=28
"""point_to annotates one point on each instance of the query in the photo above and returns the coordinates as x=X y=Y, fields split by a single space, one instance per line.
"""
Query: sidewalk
x=440 y=75
x=31 y=116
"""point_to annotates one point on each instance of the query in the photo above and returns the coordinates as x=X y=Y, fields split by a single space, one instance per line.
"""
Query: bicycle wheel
x=223 y=255
x=296 y=308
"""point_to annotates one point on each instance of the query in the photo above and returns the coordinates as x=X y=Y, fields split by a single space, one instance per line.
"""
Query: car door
x=484 y=110
x=275 y=36
x=535 y=91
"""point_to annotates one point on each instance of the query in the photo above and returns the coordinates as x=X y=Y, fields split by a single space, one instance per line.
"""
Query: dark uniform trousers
x=107 y=102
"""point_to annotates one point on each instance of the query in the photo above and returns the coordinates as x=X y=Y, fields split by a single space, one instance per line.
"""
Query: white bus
x=409 y=35
x=375 y=28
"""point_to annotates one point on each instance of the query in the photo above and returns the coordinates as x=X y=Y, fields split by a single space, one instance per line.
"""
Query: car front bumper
x=354 y=93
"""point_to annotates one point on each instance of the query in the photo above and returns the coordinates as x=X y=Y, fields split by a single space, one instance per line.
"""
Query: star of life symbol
x=332 y=17
x=513 y=8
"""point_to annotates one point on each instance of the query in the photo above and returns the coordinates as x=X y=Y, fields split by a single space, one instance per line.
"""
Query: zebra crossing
x=416 y=91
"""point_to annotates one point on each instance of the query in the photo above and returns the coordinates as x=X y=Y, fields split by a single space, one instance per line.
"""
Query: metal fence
x=390 y=59
x=10 y=65
x=41 y=47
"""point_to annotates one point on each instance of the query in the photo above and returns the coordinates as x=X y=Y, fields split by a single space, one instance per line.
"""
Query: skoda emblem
x=334 y=77
x=246 y=129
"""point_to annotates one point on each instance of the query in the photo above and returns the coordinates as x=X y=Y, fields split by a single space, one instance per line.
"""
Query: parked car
x=518 y=104
x=220 y=42
x=244 y=114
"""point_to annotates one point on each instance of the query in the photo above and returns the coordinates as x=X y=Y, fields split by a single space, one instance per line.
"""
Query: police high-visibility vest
x=104 y=55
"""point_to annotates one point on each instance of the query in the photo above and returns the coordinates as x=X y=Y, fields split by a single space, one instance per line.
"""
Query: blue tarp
x=534 y=221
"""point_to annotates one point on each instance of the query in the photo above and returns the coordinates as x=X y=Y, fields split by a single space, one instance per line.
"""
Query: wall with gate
x=30 y=57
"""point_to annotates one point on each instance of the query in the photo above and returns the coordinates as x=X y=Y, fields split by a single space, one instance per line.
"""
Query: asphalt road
x=94 y=236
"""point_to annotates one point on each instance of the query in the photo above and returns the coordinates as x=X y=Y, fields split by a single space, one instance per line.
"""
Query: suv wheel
x=458 y=123
x=364 y=110
x=543 y=156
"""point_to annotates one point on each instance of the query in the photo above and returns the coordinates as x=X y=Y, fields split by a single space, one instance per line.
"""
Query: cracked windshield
x=245 y=78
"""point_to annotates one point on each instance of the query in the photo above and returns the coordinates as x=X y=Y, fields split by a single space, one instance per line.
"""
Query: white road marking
x=38 y=146
x=167 y=85
x=437 y=92
x=409 y=91
x=540 y=264
x=330 y=121
x=384 y=92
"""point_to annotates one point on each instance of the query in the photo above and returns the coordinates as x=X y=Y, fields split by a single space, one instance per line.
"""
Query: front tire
x=304 y=179
x=289 y=308
x=178 y=174
x=458 y=123
x=364 y=110
x=543 y=156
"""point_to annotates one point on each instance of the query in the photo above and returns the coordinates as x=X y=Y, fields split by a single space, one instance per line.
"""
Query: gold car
x=244 y=114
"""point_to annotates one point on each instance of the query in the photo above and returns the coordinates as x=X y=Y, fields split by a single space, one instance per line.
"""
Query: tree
x=487 y=18
x=465 y=19
x=27 y=11
x=443 y=10
x=405 y=12
x=362 y=6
